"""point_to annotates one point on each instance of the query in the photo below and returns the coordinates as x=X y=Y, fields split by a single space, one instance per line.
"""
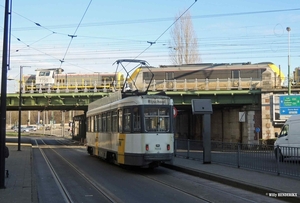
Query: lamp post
x=5 y=65
x=20 y=106
x=289 y=79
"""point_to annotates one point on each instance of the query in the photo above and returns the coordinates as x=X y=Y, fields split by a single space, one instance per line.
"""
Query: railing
x=249 y=156
x=202 y=84
x=156 y=85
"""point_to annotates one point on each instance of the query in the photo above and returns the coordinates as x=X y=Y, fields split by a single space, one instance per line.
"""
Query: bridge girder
x=80 y=101
x=52 y=101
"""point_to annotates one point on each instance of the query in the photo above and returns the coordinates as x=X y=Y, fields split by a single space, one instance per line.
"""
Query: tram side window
x=120 y=120
x=157 y=119
x=95 y=124
x=89 y=124
x=108 y=122
x=127 y=121
x=99 y=123
x=92 y=124
x=104 y=122
x=136 y=120
x=114 y=121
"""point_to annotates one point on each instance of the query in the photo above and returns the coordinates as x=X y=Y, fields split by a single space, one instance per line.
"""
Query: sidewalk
x=261 y=183
x=20 y=185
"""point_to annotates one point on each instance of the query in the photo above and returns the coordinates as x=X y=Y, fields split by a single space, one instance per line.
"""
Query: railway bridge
x=239 y=115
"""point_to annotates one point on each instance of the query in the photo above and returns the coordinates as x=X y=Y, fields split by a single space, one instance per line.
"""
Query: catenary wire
x=72 y=36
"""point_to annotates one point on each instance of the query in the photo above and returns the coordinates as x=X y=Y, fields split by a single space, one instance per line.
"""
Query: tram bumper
x=147 y=159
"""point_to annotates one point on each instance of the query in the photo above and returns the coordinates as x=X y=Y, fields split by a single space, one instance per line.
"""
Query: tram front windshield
x=157 y=119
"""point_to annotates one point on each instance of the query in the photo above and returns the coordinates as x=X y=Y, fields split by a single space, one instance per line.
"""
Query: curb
x=231 y=182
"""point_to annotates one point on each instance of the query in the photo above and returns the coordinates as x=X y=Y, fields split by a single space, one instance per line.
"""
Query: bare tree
x=184 y=45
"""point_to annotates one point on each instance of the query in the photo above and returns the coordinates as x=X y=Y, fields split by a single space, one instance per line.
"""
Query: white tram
x=135 y=130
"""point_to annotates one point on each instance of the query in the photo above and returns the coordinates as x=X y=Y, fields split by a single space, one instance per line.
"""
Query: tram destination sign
x=289 y=104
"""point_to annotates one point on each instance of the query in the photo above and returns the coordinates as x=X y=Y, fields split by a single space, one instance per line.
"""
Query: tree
x=184 y=45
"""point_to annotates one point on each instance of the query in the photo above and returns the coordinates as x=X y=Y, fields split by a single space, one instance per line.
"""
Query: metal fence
x=256 y=157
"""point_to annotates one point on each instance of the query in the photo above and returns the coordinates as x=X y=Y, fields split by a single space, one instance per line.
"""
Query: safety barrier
x=283 y=161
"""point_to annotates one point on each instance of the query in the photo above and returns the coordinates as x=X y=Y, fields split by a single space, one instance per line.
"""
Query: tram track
x=171 y=183
x=178 y=189
x=61 y=186
x=59 y=183
x=221 y=192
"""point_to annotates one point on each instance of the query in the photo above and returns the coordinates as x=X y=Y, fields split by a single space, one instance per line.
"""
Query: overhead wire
x=151 y=43
x=72 y=36
x=153 y=20
x=201 y=16
x=36 y=23
x=52 y=32
x=29 y=45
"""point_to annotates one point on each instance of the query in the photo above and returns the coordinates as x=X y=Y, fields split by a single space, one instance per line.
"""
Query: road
x=64 y=172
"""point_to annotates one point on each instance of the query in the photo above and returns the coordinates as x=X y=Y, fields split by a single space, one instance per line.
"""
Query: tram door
x=122 y=137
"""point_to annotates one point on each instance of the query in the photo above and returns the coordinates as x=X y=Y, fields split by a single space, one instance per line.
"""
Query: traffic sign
x=289 y=105
x=289 y=101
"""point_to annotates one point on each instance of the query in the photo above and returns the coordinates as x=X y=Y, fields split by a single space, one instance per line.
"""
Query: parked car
x=32 y=128
x=14 y=127
x=23 y=130
x=48 y=128
x=288 y=141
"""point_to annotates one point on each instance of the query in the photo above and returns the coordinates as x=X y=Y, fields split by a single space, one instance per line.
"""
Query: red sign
x=174 y=112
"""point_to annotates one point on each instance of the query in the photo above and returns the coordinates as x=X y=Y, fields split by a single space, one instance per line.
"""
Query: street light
x=289 y=79
x=20 y=106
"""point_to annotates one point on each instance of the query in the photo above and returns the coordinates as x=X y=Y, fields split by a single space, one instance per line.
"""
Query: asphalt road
x=64 y=172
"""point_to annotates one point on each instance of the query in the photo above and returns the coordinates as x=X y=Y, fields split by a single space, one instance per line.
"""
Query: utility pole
x=21 y=89
x=5 y=65
x=289 y=79
x=20 y=109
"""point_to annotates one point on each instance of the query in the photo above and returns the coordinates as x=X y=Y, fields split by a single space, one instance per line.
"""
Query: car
x=23 y=130
x=48 y=128
x=32 y=128
x=14 y=127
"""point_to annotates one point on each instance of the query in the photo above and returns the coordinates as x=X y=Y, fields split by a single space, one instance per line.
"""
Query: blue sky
x=227 y=31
